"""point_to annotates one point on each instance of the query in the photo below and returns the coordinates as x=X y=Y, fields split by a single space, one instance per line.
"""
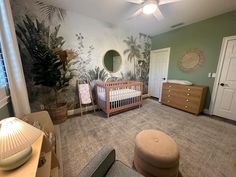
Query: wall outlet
x=209 y=75
x=42 y=107
x=213 y=75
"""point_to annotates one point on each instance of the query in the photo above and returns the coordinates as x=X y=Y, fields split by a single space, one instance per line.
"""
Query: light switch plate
x=213 y=75
x=42 y=107
x=209 y=74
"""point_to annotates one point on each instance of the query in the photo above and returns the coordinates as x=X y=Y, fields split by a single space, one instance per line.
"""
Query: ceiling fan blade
x=158 y=15
x=135 y=14
x=136 y=1
x=163 y=2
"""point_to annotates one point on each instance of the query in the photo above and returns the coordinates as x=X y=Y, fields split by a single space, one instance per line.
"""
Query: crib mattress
x=122 y=94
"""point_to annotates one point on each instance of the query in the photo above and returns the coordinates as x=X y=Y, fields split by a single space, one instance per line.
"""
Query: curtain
x=11 y=54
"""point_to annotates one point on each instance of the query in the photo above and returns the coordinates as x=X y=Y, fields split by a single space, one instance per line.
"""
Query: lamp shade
x=15 y=136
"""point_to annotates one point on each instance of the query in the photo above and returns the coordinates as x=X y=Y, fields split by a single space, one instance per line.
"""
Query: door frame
x=168 y=62
x=218 y=72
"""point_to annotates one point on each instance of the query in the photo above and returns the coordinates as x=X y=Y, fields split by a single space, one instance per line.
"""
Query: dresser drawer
x=168 y=101
x=178 y=103
x=167 y=86
x=184 y=92
x=182 y=98
x=191 y=108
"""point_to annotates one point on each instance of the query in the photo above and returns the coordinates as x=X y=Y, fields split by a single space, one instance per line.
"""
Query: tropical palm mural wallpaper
x=133 y=50
x=72 y=47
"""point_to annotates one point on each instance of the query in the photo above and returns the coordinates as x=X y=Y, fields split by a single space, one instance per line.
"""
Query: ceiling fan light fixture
x=150 y=8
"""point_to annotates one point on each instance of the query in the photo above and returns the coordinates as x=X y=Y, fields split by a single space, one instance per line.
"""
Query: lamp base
x=16 y=160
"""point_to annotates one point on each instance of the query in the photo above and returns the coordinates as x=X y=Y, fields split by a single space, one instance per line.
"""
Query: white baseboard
x=78 y=110
x=146 y=95
x=206 y=111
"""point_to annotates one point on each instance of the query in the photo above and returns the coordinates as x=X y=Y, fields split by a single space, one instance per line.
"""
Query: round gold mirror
x=112 y=61
x=191 y=60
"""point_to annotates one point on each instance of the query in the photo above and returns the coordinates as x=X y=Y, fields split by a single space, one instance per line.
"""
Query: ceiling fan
x=150 y=7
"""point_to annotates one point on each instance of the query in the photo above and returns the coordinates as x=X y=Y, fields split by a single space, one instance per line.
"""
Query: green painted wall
x=6 y=111
x=206 y=35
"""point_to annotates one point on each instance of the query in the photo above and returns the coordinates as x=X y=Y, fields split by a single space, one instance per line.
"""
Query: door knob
x=164 y=78
x=222 y=84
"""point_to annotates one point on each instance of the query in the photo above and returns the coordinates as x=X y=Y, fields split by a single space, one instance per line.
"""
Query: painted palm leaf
x=133 y=50
x=50 y=11
x=97 y=74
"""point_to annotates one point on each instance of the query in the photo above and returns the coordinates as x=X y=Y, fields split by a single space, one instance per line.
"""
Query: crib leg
x=81 y=111
x=93 y=106
x=108 y=115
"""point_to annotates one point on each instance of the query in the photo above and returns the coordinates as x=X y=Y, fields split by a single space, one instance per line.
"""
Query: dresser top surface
x=200 y=86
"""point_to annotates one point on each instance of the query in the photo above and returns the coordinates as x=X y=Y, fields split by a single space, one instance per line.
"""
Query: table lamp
x=16 y=138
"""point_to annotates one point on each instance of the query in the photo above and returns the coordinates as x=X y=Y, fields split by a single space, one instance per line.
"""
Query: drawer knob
x=168 y=101
x=186 y=106
x=169 y=86
x=168 y=95
x=169 y=90
x=188 y=94
x=189 y=89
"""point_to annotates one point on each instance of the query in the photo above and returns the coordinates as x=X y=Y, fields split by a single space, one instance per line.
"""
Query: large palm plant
x=47 y=70
x=133 y=50
x=32 y=33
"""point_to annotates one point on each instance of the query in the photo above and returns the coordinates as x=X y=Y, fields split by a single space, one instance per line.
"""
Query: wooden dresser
x=184 y=97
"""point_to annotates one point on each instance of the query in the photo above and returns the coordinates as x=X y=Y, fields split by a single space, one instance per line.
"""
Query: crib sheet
x=121 y=94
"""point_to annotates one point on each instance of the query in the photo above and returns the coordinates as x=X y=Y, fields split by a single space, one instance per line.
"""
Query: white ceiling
x=116 y=12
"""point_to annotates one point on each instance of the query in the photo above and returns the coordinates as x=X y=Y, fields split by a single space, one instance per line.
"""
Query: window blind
x=4 y=92
x=3 y=75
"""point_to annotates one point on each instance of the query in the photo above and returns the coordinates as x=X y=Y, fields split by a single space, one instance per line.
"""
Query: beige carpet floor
x=207 y=146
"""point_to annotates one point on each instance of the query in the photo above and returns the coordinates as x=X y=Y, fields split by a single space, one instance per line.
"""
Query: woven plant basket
x=58 y=112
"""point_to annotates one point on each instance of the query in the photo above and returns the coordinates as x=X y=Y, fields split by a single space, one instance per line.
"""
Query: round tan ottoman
x=156 y=154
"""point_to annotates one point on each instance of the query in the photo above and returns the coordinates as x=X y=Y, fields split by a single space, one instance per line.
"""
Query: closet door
x=225 y=103
x=158 y=72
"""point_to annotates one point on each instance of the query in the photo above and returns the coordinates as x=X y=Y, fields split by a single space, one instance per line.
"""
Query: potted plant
x=48 y=71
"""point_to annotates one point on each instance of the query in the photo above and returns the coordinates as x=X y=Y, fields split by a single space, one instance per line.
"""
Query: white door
x=225 y=104
x=158 y=72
